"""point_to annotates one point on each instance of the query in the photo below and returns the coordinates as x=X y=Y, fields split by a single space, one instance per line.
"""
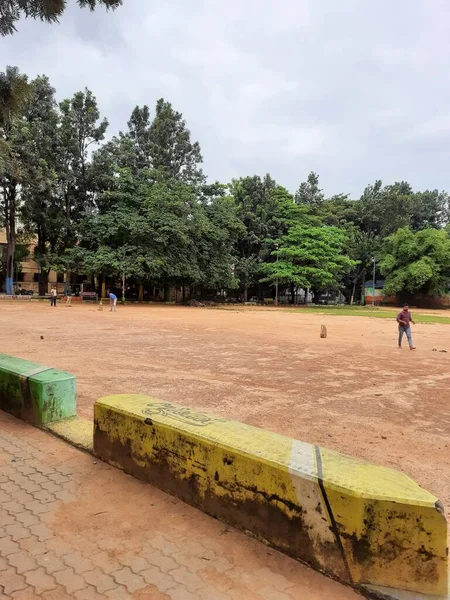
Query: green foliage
x=310 y=255
x=139 y=205
x=416 y=262
x=309 y=193
x=45 y=10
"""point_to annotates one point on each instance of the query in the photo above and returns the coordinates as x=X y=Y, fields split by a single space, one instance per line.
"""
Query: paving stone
x=70 y=580
x=163 y=581
x=17 y=531
x=27 y=519
x=8 y=546
x=12 y=581
x=157 y=558
x=89 y=593
x=50 y=562
x=40 y=580
x=190 y=581
x=22 y=562
x=99 y=580
x=105 y=562
x=130 y=580
x=78 y=563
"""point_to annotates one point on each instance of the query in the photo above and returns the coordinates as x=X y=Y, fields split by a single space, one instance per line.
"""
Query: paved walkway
x=75 y=528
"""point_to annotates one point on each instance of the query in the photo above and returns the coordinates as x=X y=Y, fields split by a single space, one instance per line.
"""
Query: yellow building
x=27 y=276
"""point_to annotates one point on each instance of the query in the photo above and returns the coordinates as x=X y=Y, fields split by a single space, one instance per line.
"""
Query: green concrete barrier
x=36 y=394
x=369 y=526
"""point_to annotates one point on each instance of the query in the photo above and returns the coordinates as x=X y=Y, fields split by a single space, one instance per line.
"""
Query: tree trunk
x=245 y=292
x=316 y=296
x=352 y=297
x=166 y=292
x=10 y=222
x=11 y=243
x=292 y=286
x=363 y=285
x=43 y=282
x=141 y=293
x=305 y=300
x=67 y=280
x=183 y=292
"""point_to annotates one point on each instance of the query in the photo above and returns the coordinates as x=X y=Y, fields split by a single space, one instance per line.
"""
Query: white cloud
x=356 y=91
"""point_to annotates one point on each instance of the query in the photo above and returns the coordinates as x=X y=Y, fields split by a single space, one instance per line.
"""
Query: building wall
x=29 y=268
x=419 y=300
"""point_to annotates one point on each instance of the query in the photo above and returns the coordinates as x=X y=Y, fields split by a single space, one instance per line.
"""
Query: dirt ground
x=353 y=391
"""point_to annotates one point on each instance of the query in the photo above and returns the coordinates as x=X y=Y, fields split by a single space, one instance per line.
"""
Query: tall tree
x=170 y=146
x=43 y=210
x=80 y=131
x=14 y=96
x=45 y=10
x=257 y=206
x=310 y=194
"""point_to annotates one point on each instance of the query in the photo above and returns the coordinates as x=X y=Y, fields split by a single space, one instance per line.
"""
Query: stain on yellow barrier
x=361 y=523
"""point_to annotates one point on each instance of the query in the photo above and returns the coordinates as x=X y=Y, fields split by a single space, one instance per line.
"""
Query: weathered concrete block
x=36 y=394
x=361 y=523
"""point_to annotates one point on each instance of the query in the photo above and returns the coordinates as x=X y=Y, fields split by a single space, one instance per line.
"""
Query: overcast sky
x=355 y=90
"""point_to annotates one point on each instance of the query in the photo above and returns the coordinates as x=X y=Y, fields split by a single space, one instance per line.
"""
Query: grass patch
x=377 y=313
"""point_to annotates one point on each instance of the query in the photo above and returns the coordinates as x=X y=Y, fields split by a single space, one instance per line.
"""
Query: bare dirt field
x=353 y=391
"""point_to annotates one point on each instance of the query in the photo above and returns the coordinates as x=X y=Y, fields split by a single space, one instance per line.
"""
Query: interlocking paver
x=154 y=576
x=12 y=581
x=22 y=562
x=41 y=531
x=192 y=563
x=180 y=593
x=27 y=519
x=13 y=507
x=89 y=593
x=8 y=546
x=120 y=593
x=130 y=580
x=40 y=580
x=50 y=562
x=136 y=563
x=70 y=580
x=145 y=546
x=59 y=547
x=160 y=560
x=99 y=580
x=78 y=562
x=190 y=581
x=17 y=531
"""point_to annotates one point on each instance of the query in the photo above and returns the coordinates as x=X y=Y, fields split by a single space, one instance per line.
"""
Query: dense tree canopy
x=417 y=262
x=137 y=206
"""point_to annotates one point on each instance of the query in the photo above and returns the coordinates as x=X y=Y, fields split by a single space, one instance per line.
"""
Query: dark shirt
x=404 y=316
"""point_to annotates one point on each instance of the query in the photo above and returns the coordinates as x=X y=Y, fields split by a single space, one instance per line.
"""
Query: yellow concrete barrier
x=361 y=523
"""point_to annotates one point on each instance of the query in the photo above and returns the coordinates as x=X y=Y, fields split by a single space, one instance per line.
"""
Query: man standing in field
x=53 y=295
x=112 y=301
x=69 y=296
x=404 y=319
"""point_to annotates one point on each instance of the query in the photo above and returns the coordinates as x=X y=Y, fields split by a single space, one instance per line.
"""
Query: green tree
x=310 y=194
x=310 y=256
x=14 y=96
x=258 y=209
x=43 y=210
x=416 y=262
x=45 y=10
x=170 y=147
